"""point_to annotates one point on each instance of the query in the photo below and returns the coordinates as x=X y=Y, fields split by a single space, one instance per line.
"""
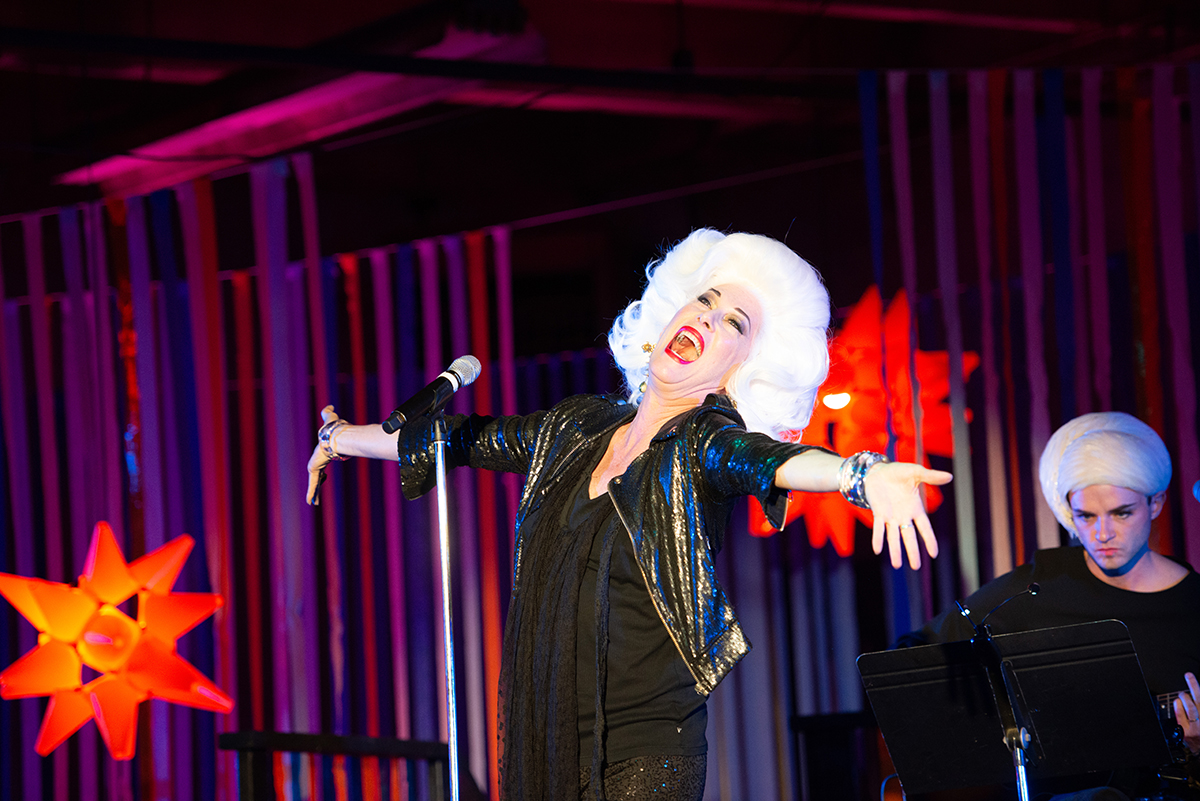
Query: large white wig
x=1111 y=448
x=776 y=386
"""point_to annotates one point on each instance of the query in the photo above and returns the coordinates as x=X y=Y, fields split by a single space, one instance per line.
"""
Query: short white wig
x=1111 y=448
x=776 y=386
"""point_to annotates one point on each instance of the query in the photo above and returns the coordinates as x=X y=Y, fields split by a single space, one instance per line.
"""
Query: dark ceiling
x=578 y=102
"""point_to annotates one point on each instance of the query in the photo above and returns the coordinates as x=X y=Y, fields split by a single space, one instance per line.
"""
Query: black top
x=650 y=700
x=1164 y=625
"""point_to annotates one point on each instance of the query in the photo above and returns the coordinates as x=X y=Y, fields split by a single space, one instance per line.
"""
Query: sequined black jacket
x=675 y=499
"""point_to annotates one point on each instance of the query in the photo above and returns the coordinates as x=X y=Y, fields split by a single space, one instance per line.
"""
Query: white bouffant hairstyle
x=776 y=386
x=1111 y=448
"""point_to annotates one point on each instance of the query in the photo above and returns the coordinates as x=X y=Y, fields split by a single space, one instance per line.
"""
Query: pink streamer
x=977 y=109
x=502 y=256
x=108 y=455
x=1097 y=258
x=947 y=265
x=1168 y=163
x=1033 y=273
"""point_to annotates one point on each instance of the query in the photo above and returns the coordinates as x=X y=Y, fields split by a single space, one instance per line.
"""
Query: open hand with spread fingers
x=893 y=490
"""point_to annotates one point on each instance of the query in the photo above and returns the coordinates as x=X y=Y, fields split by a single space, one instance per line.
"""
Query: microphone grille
x=467 y=368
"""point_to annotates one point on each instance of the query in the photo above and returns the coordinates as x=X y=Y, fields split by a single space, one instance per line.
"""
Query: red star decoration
x=856 y=380
x=82 y=625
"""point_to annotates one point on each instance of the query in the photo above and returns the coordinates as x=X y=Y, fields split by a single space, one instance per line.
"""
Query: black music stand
x=1061 y=701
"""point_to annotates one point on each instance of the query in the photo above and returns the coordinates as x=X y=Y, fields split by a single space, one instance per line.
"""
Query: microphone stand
x=439 y=447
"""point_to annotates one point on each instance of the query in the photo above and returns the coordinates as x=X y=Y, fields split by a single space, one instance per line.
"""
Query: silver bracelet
x=853 y=471
x=325 y=439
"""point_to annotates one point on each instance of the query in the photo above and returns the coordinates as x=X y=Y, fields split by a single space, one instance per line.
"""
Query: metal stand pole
x=439 y=446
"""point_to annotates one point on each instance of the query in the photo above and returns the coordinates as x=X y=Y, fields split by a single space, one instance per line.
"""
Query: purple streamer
x=16 y=431
x=1097 y=251
x=267 y=184
x=947 y=266
x=84 y=482
x=980 y=188
x=108 y=457
x=150 y=457
x=1168 y=164
x=906 y=614
x=1033 y=277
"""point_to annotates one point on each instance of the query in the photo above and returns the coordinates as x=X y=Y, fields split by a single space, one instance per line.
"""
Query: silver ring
x=903 y=526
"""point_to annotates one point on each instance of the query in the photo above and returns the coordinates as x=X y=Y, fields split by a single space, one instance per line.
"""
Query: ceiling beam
x=679 y=81
x=901 y=14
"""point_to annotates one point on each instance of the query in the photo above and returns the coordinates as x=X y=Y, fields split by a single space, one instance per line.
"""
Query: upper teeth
x=684 y=334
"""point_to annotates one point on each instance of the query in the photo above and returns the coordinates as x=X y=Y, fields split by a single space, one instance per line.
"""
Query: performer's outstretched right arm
x=339 y=440
x=503 y=443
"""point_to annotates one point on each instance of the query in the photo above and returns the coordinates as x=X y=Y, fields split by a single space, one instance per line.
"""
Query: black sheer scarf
x=538 y=727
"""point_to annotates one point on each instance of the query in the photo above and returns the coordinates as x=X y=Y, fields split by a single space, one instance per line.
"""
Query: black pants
x=649 y=778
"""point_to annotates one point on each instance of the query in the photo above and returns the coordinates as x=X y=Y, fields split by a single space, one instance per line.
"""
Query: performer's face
x=1113 y=523
x=706 y=341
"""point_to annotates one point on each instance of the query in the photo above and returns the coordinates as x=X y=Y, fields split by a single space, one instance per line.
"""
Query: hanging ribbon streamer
x=1052 y=152
x=269 y=206
x=1081 y=329
x=502 y=257
x=107 y=457
x=83 y=470
x=947 y=265
x=385 y=343
x=907 y=593
x=1168 y=167
x=16 y=434
x=178 y=415
x=366 y=568
x=1097 y=249
x=1032 y=277
x=150 y=437
x=485 y=487
x=993 y=431
x=198 y=226
x=39 y=317
x=249 y=460
x=997 y=140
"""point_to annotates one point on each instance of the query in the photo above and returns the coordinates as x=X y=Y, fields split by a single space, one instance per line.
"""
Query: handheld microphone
x=462 y=371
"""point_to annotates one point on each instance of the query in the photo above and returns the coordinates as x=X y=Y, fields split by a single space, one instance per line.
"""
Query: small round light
x=837 y=400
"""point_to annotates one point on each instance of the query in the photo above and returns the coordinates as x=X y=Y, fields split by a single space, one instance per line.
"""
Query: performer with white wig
x=1105 y=476
x=618 y=628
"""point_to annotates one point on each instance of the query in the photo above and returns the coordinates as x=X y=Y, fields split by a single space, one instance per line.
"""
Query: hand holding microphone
x=462 y=371
x=337 y=440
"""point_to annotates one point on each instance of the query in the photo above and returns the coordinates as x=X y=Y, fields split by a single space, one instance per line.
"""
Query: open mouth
x=687 y=345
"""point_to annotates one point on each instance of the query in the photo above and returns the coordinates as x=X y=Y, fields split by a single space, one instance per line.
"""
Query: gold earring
x=642 y=387
x=648 y=347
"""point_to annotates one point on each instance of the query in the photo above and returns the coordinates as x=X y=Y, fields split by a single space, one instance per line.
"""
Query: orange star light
x=851 y=413
x=83 y=625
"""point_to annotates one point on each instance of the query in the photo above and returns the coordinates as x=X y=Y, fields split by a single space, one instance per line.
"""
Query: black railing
x=256 y=757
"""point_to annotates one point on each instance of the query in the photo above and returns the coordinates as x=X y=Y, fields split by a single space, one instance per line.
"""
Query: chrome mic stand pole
x=439 y=446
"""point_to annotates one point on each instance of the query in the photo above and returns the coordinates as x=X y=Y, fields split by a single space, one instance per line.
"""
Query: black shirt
x=651 y=704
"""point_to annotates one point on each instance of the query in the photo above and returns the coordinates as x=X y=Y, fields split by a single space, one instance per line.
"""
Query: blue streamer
x=1052 y=150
